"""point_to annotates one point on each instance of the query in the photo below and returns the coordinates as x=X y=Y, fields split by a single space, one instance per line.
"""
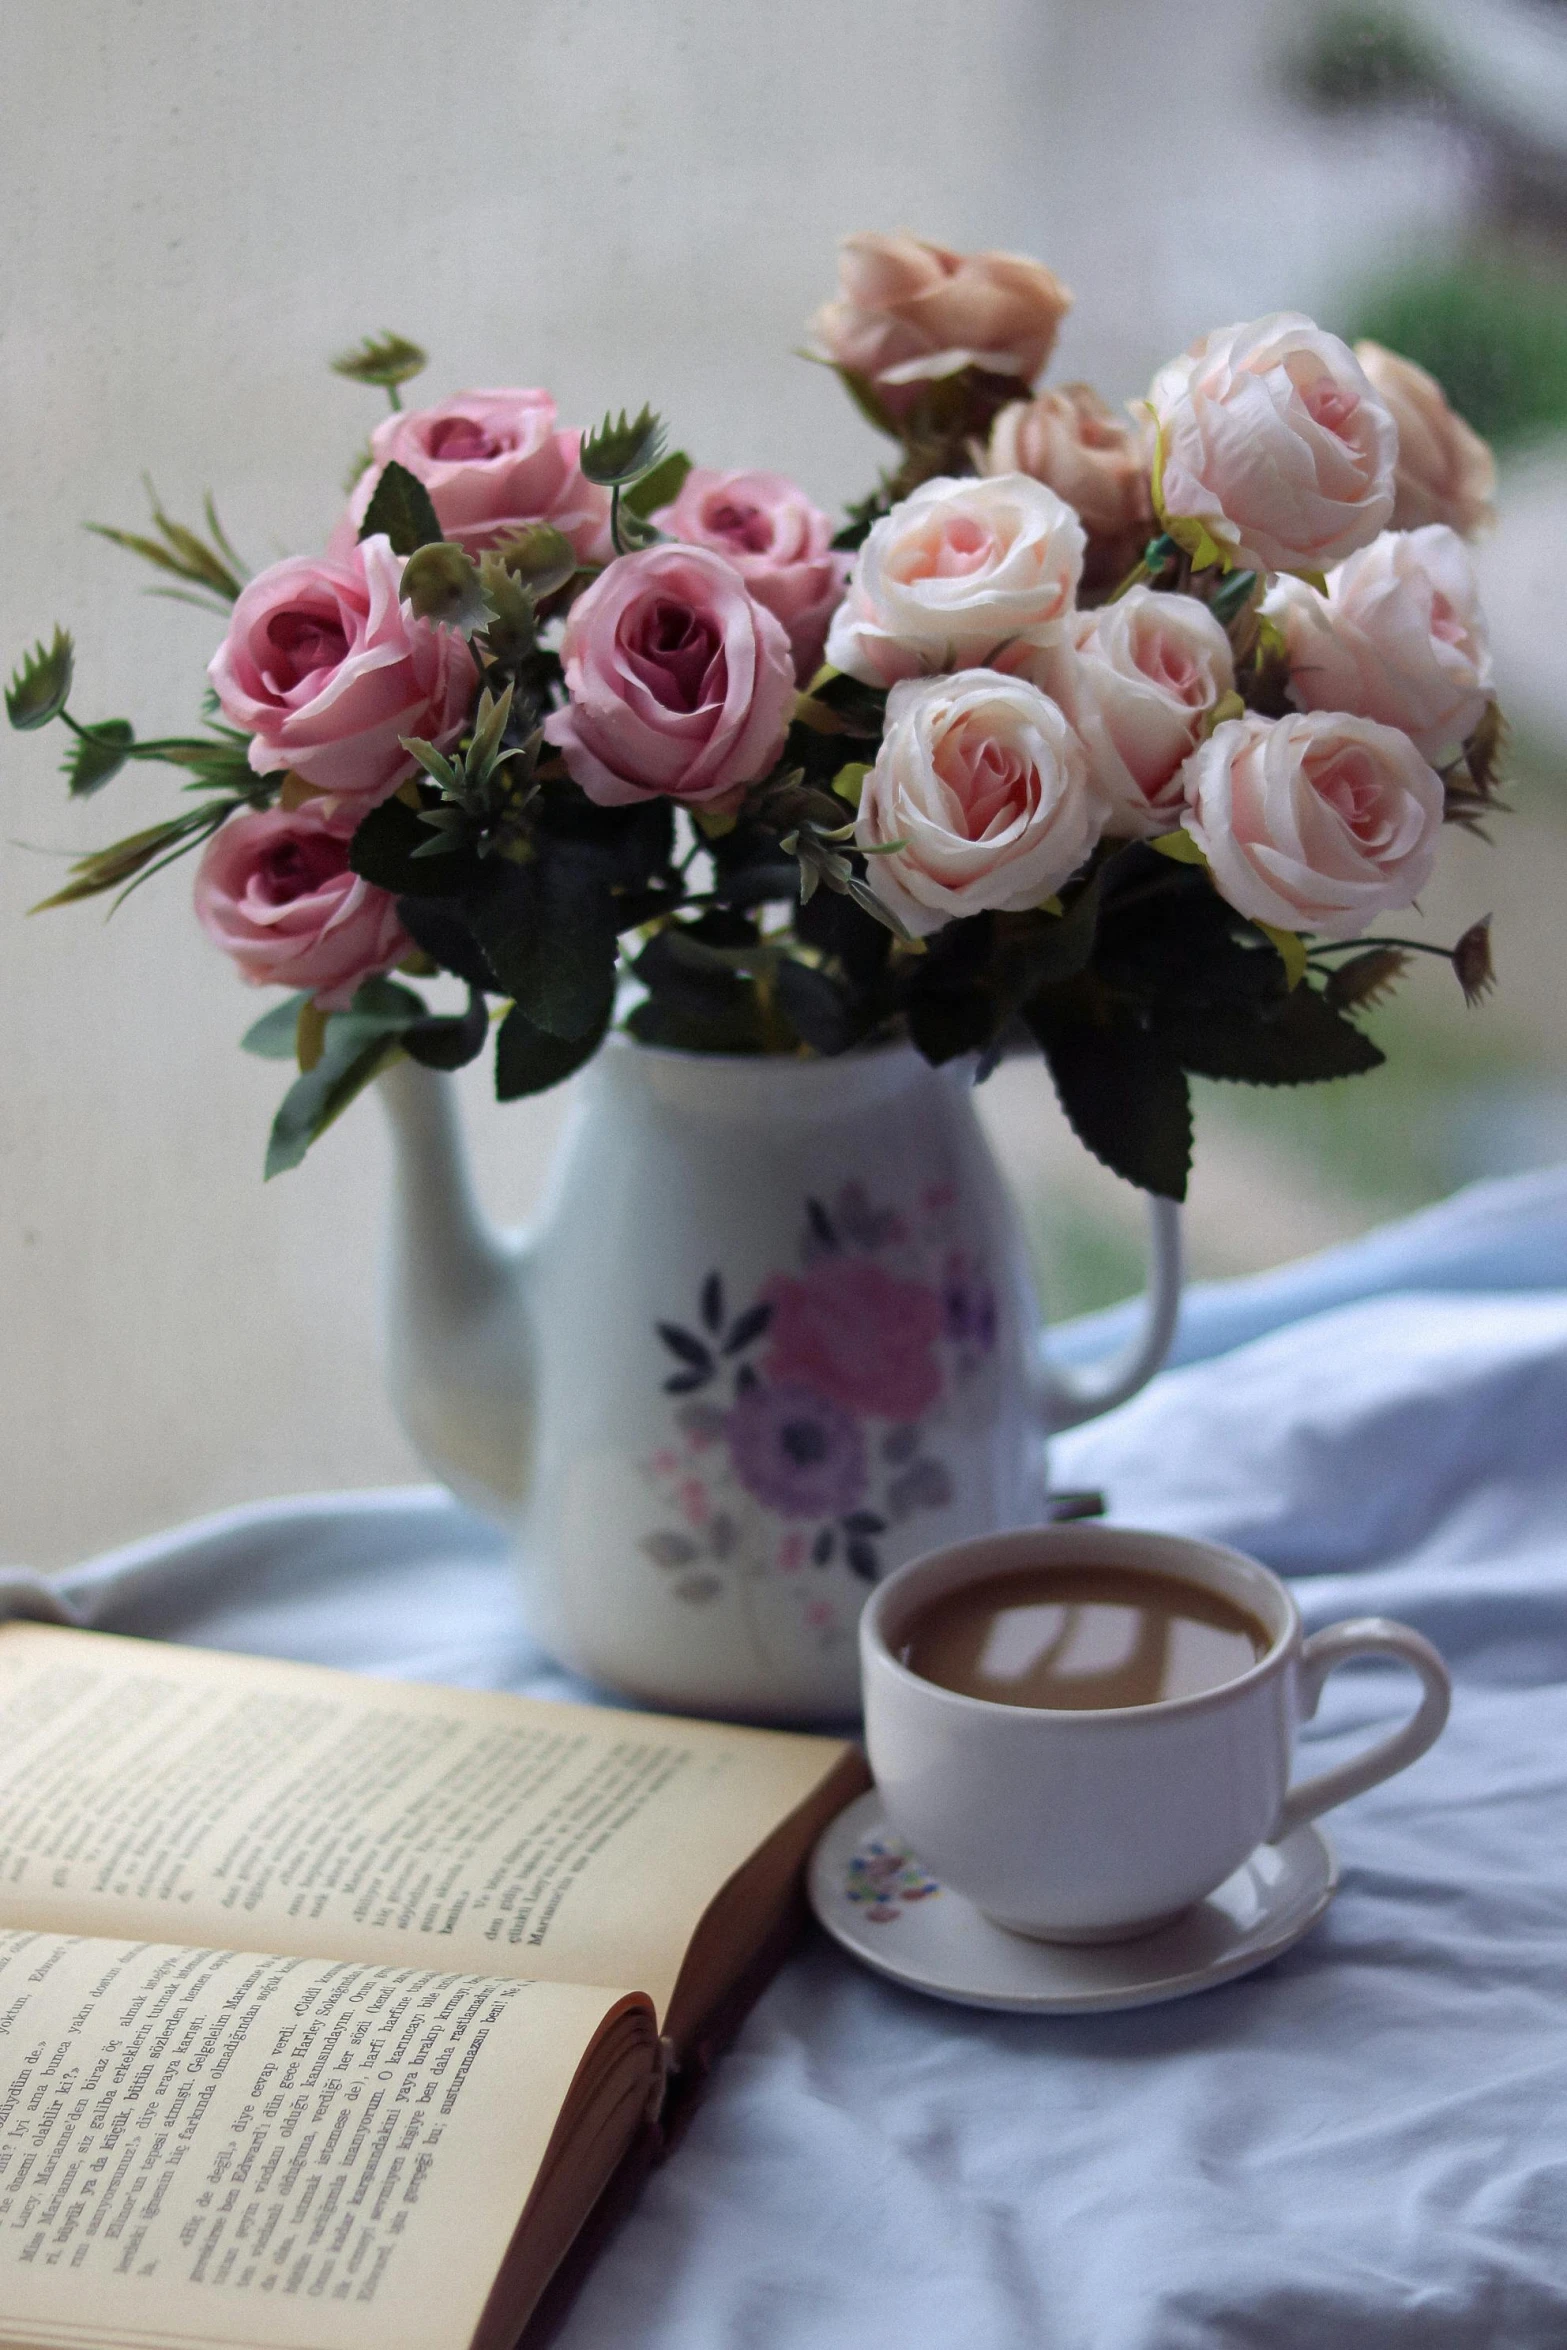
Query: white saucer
x=874 y=1898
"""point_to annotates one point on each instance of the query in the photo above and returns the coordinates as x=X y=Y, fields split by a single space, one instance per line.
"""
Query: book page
x=209 y=2146
x=183 y=1795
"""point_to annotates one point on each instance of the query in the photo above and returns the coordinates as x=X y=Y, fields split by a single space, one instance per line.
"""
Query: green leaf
x=180 y=552
x=450 y=1043
x=869 y=402
x=1125 y=1094
x=659 y=488
x=1233 y=597
x=41 y=684
x=126 y=863
x=272 y=1037
x=443 y=584
x=401 y=509
x=386 y=360
x=385 y=850
x=816 y=1008
x=1301 y=1040
x=531 y=1060
x=619 y=451
x=549 y=931
x=97 y=754
x=541 y=558
x=441 y=930
x=359 y=1044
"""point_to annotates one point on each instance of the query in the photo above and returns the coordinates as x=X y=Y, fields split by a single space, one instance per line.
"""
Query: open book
x=329 y=2007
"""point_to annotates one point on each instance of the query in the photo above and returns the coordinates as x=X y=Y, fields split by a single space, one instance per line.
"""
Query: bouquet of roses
x=1113 y=735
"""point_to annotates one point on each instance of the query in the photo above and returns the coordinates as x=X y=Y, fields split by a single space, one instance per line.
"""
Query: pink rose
x=1399 y=637
x=1319 y=823
x=909 y=312
x=987 y=788
x=1143 y=675
x=780 y=544
x=274 y=889
x=1273 y=447
x=1098 y=462
x=959 y=571
x=857 y=1335
x=326 y=671
x=1445 y=471
x=680 y=682
x=493 y=462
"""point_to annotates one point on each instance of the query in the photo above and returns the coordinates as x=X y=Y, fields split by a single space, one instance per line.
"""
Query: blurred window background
x=627 y=203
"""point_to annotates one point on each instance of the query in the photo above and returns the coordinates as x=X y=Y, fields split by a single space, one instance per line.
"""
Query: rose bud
x=1137 y=684
x=986 y=788
x=959 y=570
x=1275 y=453
x=1445 y=472
x=1097 y=461
x=780 y=544
x=1317 y=823
x=326 y=670
x=1399 y=637
x=275 y=890
x=681 y=683
x=909 y=312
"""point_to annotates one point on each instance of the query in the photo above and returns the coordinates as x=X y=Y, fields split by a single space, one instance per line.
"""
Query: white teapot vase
x=773 y=1333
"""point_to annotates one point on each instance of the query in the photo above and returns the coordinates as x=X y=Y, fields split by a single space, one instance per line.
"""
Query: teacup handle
x=1366 y=1636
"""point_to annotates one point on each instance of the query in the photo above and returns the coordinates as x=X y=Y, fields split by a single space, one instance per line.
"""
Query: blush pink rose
x=275 y=890
x=780 y=544
x=1100 y=463
x=1137 y=684
x=1273 y=443
x=855 y=1333
x=958 y=572
x=1445 y=471
x=493 y=462
x=1399 y=637
x=326 y=672
x=986 y=787
x=1320 y=823
x=681 y=683
x=909 y=312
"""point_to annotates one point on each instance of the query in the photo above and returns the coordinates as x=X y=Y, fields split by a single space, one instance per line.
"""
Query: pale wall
x=203 y=198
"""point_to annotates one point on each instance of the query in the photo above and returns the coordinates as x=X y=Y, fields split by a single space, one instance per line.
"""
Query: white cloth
x=1366 y=2143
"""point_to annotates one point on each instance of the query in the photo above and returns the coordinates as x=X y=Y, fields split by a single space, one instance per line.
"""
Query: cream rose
x=987 y=788
x=1445 y=471
x=959 y=570
x=1399 y=637
x=1274 y=448
x=1317 y=823
x=908 y=311
x=1136 y=685
x=1098 y=461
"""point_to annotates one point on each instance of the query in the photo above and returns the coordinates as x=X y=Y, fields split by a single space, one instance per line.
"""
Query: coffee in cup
x=1084 y=1729
x=1075 y=1638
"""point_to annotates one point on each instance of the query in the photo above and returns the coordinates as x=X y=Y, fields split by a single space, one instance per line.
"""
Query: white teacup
x=1095 y=1826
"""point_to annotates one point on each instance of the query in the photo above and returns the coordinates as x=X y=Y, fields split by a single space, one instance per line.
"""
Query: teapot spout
x=456 y=1341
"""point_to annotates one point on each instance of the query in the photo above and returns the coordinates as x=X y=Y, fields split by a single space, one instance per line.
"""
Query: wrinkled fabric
x=1365 y=2142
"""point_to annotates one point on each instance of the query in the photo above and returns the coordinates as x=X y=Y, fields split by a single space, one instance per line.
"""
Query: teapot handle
x=1067 y=1397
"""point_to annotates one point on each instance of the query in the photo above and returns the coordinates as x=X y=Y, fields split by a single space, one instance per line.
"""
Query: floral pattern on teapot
x=808 y=1422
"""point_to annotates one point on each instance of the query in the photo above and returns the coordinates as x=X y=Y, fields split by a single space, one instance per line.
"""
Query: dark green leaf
x=1300 y=1041
x=821 y=1014
x=1232 y=597
x=97 y=754
x=442 y=930
x=41 y=684
x=401 y=509
x=385 y=360
x=530 y=1060
x=385 y=848
x=549 y=932
x=868 y=400
x=1125 y=1094
x=619 y=450
x=273 y=1035
x=659 y=488
x=449 y=1043
x=358 y=1045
